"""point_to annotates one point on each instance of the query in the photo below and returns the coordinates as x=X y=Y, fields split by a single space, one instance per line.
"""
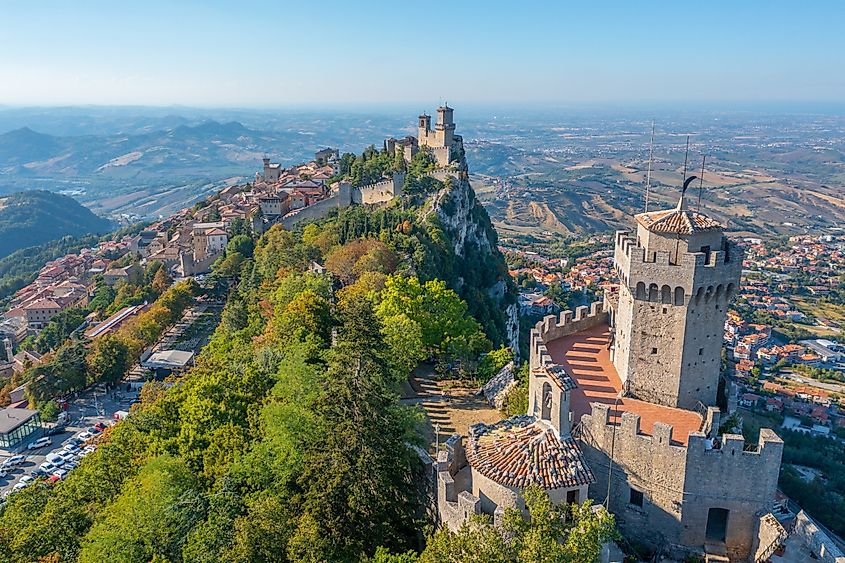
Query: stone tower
x=424 y=125
x=444 y=128
x=677 y=276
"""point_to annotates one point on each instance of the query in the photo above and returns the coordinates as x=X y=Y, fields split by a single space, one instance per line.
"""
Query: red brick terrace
x=586 y=357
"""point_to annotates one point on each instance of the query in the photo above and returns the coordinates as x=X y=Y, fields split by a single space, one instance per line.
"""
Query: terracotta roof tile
x=520 y=451
x=681 y=221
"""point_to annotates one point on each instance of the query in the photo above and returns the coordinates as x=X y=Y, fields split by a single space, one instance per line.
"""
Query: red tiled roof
x=520 y=451
x=681 y=221
x=43 y=304
x=586 y=358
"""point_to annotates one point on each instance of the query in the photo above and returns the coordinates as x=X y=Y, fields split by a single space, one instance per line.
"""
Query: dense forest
x=34 y=217
x=286 y=441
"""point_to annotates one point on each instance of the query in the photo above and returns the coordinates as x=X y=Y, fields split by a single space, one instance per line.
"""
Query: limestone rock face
x=455 y=206
x=475 y=244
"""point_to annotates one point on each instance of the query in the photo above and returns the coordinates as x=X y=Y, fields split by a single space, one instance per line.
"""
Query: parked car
x=84 y=436
x=48 y=467
x=60 y=473
x=39 y=443
x=19 y=486
x=72 y=448
x=100 y=426
x=89 y=449
x=56 y=458
x=27 y=479
x=3 y=473
x=93 y=430
x=38 y=472
x=71 y=465
x=56 y=430
x=14 y=460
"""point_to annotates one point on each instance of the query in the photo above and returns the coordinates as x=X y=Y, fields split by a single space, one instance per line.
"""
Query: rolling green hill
x=34 y=217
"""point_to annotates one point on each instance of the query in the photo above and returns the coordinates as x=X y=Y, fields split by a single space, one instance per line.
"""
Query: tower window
x=654 y=350
x=636 y=497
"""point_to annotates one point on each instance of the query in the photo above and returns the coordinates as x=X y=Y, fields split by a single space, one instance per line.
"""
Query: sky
x=262 y=54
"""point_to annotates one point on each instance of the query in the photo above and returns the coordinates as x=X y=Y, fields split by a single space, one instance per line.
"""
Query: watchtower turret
x=444 y=127
x=678 y=275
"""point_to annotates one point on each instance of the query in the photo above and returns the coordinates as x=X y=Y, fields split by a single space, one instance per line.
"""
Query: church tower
x=678 y=274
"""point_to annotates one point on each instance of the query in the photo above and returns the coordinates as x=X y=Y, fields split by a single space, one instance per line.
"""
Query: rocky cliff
x=481 y=274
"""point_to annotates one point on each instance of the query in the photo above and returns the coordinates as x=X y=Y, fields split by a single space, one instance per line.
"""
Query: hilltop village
x=628 y=407
x=189 y=242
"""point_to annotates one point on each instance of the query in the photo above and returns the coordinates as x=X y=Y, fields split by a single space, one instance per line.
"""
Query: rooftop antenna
x=701 y=182
x=648 y=174
x=684 y=190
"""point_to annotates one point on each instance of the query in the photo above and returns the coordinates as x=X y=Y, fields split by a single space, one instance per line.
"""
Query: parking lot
x=90 y=408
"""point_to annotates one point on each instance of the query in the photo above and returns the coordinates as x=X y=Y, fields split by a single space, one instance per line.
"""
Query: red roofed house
x=39 y=313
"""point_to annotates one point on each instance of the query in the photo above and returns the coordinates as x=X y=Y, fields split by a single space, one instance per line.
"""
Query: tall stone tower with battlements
x=677 y=274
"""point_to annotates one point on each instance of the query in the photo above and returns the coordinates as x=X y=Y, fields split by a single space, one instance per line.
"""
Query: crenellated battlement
x=553 y=327
x=597 y=425
x=697 y=274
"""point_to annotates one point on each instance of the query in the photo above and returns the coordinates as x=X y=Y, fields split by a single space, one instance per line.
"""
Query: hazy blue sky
x=269 y=54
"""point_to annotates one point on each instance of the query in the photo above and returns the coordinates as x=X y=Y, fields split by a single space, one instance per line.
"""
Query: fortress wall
x=454 y=505
x=316 y=210
x=553 y=327
x=649 y=464
x=817 y=540
x=380 y=192
x=738 y=477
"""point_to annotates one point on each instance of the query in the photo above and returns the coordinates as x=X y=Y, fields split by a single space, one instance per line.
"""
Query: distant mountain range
x=556 y=171
x=183 y=150
x=38 y=216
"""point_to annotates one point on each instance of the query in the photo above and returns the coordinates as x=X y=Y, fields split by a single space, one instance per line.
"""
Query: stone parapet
x=553 y=327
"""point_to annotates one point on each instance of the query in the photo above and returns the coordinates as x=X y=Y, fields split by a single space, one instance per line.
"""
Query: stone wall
x=680 y=484
x=770 y=536
x=649 y=464
x=670 y=319
x=454 y=502
x=553 y=327
x=739 y=477
x=496 y=390
x=317 y=210
x=380 y=192
x=817 y=540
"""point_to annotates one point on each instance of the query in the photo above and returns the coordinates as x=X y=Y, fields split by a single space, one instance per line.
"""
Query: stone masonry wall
x=817 y=540
x=742 y=479
x=670 y=319
x=649 y=464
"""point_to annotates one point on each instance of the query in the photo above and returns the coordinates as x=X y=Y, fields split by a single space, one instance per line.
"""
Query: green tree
x=446 y=327
x=149 y=519
x=360 y=490
x=108 y=359
x=551 y=533
x=59 y=329
x=241 y=244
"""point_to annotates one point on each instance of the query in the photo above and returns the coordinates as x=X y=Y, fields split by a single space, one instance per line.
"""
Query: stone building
x=441 y=140
x=500 y=460
x=632 y=383
x=678 y=274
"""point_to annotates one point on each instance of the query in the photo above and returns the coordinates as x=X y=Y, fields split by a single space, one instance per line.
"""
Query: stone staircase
x=715 y=553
